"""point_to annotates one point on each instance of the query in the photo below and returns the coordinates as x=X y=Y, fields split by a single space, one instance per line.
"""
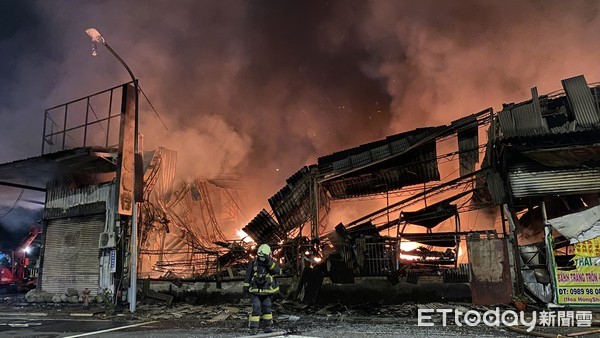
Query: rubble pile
x=70 y=296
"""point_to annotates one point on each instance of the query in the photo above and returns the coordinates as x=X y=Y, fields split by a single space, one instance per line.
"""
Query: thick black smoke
x=264 y=87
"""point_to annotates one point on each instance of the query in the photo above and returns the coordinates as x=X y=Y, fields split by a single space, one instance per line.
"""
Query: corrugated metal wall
x=468 y=142
x=62 y=201
x=356 y=157
x=264 y=229
x=414 y=167
x=71 y=254
x=535 y=180
x=581 y=101
x=522 y=120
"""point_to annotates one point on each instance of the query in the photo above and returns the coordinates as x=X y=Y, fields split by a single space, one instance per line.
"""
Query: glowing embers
x=406 y=247
x=424 y=255
x=443 y=239
x=243 y=236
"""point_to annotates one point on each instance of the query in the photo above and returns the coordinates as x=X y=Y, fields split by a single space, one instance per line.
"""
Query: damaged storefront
x=545 y=154
x=422 y=243
x=80 y=244
x=514 y=214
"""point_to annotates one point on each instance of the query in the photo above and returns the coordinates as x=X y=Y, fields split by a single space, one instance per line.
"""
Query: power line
x=14 y=204
x=151 y=105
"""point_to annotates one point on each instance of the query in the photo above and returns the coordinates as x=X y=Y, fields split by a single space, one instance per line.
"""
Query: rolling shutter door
x=533 y=180
x=71 y=254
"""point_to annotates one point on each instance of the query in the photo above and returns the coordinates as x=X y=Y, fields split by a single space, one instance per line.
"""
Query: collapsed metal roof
x=291 y=204
x=390 y=164
x=549 y=144
x=577 y=108
x=263 y=228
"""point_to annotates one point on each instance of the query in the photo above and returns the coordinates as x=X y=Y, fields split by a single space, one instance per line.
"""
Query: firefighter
x=259 y=282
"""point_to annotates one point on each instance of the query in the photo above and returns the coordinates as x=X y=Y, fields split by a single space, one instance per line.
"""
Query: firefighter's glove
x=246 y=291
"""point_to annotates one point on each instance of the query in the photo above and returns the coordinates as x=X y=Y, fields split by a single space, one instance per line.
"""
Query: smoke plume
x=263 y=88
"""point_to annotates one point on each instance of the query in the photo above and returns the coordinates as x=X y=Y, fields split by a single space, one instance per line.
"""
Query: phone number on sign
x=579 y=291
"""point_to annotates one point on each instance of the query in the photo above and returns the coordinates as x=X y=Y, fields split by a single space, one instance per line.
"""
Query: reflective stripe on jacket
x=259 y=277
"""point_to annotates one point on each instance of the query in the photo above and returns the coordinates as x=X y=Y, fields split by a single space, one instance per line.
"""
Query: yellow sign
x=582 y=284
x=589 y=248
x=582 y=276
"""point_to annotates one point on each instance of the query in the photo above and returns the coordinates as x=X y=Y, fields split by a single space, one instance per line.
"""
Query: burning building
x=532 y=168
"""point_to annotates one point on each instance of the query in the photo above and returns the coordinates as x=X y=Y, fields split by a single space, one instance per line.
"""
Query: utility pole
x=129 y=196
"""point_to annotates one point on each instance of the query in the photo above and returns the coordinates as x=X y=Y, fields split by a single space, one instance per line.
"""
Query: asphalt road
x=40 y=327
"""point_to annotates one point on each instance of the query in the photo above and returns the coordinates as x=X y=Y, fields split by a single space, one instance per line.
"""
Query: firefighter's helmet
x=264 y=250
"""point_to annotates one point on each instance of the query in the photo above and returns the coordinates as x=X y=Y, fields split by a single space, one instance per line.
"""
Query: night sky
x=261 y=88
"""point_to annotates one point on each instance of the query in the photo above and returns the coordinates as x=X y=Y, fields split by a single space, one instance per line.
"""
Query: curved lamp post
x=98 y=38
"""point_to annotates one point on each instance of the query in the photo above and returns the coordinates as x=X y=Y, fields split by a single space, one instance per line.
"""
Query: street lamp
x=98 y=38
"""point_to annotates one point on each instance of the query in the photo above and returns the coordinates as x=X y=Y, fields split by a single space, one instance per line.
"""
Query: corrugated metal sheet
x=535 y=101
x=292 y=204
x=364 y=154
x=523 y=119
x=596 y=94
x=166 y=174
x=591 y=233
x=566 y=156
x=342 y=165
x=565 y=128
x=430 y=216
x=468 y=143
x=527 y=120
x=416 y=166
x=297 y=176
x=553 y=114
x=263 y=228
x=71 y=254
x=507 y=123
x=534 y=180
x=581 y=101
x=41 y=170
x=399 y=146
x=62 y=201
x=380 y=152
x=575 y=224
x=495 y=186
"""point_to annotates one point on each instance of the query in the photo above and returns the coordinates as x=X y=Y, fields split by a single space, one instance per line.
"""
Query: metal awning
x=35 y=172
x=576 y=226
x=432 y=215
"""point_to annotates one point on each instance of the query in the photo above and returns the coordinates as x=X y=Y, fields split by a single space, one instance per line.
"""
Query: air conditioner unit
x=106 y=240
